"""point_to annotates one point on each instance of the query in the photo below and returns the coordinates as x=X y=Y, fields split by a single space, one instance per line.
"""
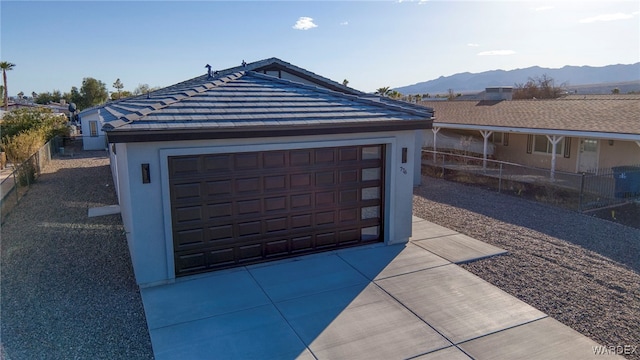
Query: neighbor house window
x=496 y=138
x=93 y=128
x=541 y=144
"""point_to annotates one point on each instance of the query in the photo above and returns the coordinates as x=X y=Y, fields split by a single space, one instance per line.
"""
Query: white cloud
x=304 y=23
x=496 y=52
x=473 y=45
x=543 y=8
x=607 y=17
x=344 y=23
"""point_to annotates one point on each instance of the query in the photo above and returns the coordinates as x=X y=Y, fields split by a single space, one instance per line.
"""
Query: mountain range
x=570 y=76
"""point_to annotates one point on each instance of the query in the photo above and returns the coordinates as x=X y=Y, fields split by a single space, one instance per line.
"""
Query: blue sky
x=55 y=44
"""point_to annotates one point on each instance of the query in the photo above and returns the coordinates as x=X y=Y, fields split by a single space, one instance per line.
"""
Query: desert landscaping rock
x=67 y=287
x=581 y=270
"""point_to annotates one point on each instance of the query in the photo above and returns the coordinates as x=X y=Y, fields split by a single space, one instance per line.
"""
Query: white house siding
x=149 y=219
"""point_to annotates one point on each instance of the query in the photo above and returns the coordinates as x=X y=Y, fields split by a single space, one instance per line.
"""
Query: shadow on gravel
x=614 y=241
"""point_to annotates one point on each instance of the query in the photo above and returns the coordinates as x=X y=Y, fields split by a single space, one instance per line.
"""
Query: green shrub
x=25 y=119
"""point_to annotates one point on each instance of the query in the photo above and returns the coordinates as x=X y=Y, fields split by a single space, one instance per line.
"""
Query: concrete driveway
x=374 y=302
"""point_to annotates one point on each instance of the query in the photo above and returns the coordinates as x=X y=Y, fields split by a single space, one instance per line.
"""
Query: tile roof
x=618 y=114
x=251 y=99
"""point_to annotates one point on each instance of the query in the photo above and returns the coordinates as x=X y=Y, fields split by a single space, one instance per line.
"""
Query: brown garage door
x=235 y=209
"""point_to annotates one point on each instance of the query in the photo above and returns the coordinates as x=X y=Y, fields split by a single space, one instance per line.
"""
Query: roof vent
x=209 y=74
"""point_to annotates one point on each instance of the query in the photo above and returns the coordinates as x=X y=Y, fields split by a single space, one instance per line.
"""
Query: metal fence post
x=580 y=198
x=500 y=179
x=15 y=186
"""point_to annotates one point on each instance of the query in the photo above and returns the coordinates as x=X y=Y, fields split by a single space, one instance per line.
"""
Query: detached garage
x=256 y=163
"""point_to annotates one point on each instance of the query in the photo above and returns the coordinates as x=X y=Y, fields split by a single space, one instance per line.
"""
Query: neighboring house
x=257 y=163
x=588 y=132
x=93 y=136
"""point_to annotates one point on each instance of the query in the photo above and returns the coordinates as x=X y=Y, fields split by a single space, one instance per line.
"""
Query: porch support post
x=554 y=140
x=435 y=138
x=417 y=157
x=485 y=135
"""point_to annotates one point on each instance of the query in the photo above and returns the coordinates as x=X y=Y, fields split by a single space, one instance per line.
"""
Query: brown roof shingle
x=606 y=113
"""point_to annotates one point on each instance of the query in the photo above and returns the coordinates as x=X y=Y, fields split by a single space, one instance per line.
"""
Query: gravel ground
x=581 y=270
x=67 y=289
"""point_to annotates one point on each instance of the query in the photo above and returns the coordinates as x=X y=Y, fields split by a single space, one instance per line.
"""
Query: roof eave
x=239 y=132
x=525 y=130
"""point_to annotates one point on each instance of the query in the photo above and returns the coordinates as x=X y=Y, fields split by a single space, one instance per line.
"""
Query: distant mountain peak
x=570 y=75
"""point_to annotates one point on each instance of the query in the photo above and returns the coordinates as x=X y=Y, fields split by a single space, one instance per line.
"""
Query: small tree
x=118 y=86
x=615 y=91
x=94 y=92
x=538 y=88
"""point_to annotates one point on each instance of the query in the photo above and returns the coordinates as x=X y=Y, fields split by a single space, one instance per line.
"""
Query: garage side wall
x=148 y=213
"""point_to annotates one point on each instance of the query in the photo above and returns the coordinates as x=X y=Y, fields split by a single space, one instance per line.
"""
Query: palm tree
x=383 y=91
x=6 y=66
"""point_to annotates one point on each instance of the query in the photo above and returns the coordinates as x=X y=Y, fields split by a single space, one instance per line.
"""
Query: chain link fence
x=18 y=178
x=580 y=192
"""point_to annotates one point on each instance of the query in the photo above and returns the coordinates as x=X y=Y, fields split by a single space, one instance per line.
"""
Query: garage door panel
x=301 y=221
x=275 y=204
x=300 y=157
x=326 y=240
x=326 y=217
x=221 y=257
x=251 y=252
x=275 y=183
x=236 y=209
x=219 y=187
x=219 y=163
x=189 y=263
x=249 y=228
x=325 y=156
x=300 y=201
x=348 y=215
x=188 y=214
x=302 y=180
x=248 y=185
x=277 y=248
x=248 y=207
x=348 y=176
x=302 y=244
x=184 y=166
x=244 y=161
x=325 y=198
x=221 y=232
x=190 y=238
x=274 y=159
x=349 y=236
x=348 y=196
x=348 y=154
x=325 y=178
x=222 y=210
x=276 y=225
x=189 y=191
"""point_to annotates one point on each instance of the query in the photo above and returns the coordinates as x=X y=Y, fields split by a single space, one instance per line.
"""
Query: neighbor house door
x=588 y=159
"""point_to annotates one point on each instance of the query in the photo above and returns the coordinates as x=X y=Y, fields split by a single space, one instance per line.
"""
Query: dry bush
x=21 y=146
